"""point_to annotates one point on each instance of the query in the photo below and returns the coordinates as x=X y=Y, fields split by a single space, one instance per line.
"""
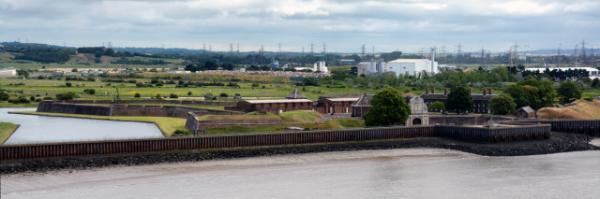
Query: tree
x=227 y=66
x=210 y=65
x=502 y=105
x=568 y=92
x=388 y=107
x=518 y=94
x=66 y=96
x=545 y=92
x=596 y=83
x=459 y=100
x=437 y=106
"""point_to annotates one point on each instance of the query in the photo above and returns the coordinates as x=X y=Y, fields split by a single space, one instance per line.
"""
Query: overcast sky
x=344 y=25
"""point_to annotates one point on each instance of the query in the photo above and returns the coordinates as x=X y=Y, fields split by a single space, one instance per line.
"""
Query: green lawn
x=42 y=88
x=167 y=125
x=6 y=130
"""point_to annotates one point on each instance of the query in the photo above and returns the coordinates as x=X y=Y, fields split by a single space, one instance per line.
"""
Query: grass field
x=308 y=120
x=579 y=110
x=6 y=130
x=167 y=125
x=34 y=87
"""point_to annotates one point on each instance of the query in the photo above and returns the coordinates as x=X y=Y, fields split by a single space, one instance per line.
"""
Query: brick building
x=273 y=106
x=331 y=105
x=481 y=102
x=362 y=105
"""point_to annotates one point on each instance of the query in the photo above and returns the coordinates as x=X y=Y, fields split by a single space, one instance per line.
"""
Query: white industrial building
x=320 y=66
x=371 y=67
x=593 y=72
x=413 y=67
x=8 y=72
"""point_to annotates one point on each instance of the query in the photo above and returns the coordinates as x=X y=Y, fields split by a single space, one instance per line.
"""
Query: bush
x=596 y=83
x=189 y=93
x=437 y=106
x=68 y=84
x=173 y=96
x=3 y=95
x=137 y=95
x=19 y=100
x=66 y=96
x=502 y=105
x=223 y=95
x=89 y=91
x=179 y=132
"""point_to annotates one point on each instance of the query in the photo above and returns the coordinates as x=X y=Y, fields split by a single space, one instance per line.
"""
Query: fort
x=508 y=139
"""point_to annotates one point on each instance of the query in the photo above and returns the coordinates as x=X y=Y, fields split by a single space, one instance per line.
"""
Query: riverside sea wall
x=526 y=140
x=518 y=133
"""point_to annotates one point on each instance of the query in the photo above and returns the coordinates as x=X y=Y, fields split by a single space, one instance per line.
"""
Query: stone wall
x=198 y=127
x=126 y=109
x=465 y=119
x=58 y=107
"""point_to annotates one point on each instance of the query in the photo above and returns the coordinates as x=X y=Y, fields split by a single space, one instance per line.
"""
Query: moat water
x=399 y=173
x=42 y=129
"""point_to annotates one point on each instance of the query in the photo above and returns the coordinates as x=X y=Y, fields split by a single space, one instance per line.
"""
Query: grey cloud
x=343 y=24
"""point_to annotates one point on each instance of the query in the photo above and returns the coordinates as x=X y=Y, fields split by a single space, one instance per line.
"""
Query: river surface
x=595 y=142
x=399 y=173
x=41 y=129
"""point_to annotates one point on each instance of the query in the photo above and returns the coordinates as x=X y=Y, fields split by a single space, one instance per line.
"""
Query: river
x=42 y=129
x=399 y=173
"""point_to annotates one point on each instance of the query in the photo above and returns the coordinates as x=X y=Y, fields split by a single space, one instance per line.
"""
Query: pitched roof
x=343 y=99
x=527 y=109
x=277 y=101
x=295 y=95
x=364 y=100
x=444 y=97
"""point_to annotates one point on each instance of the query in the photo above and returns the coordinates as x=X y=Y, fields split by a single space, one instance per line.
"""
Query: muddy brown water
x=398 y=173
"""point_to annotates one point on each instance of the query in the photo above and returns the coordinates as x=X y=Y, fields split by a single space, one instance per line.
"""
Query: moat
x=41 y=129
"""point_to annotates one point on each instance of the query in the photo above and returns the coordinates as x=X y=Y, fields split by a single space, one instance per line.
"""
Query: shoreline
x=559 y=142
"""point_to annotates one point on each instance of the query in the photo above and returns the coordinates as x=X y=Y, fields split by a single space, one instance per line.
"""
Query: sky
x=343 y=25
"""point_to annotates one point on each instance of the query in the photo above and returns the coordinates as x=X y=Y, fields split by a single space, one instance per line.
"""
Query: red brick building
x=329 y=105
x=273 y=106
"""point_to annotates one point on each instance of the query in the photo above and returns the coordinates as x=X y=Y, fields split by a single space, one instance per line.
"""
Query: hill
x=578 y=110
